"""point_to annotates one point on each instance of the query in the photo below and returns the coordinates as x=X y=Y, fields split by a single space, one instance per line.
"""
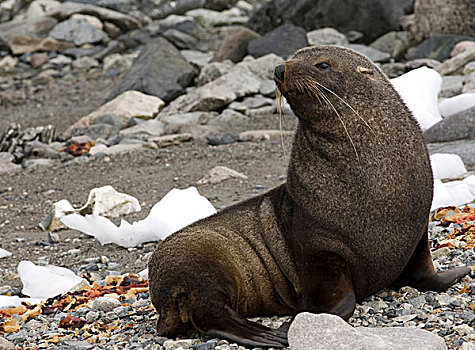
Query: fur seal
x=350 y=220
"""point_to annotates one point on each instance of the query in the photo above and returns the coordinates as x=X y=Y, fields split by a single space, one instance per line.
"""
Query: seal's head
x=318 y=79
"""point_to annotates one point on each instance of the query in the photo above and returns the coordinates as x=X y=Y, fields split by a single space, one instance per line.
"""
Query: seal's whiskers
x=278 y=96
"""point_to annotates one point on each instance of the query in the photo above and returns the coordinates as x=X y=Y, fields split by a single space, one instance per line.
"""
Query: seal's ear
x=366 y=71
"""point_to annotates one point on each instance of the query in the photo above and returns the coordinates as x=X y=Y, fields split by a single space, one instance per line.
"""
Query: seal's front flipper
x=228 y=324
x=420 y=273
x=328 y=286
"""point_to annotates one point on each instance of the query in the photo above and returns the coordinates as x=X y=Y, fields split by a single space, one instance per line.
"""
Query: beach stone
x=33 y=164
x=259 y=135
x=212 y=71
x=464 y=148
x=373 y=54
x=151 y=127
x=20 y=44
x=78 y=31
x=189 y=118
x=283 y=41
x=39 y=59
x=217 y=93
x=438 y=47
x=469 y=68
x=117 y=62
x=114 y=150
x=219 y=174
x=234 y=45
x=326 y=36
x=8 y=167
x=462 y=46
x=433 y=17
x=455 y=64
x=326 y=332
x=230 y=118
x=85 y=63
x=123 y=21
x=422 y=62
x=105 y=304
x=170 y=140
x=394 y=43
x=373 y=18
x=197 y=58
x=92 y=20
x=451 y=85
x=128 y=105
x=8 y=63
x=36 y=28
x=159 y=70
x=457 y=126
x=210 y=18
x=6 y=345
x=180 y=39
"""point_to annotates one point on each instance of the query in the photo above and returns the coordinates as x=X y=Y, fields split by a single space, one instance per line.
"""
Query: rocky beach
x=150 y=96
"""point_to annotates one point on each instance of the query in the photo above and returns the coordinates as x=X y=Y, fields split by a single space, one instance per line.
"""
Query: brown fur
x=345 y=224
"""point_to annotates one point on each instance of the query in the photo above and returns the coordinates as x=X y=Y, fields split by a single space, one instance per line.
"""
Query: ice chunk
x=453 y=193
x=177 y=209
x=456 y=104
x=446 y=165
x=4 y=253
x=419 y=89
x=46 y=281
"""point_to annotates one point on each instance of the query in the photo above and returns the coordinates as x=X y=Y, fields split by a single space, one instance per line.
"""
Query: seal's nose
x=279 y=72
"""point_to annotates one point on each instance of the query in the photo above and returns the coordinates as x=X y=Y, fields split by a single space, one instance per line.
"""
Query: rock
x=189 y=118
x=230 y=118
x=326 y=36
x=111 y=119
x=105 y=304
x=170 y=344
x=373 y=54
x=394 y=43
x=38 y=59
x=462 y=46
x=464 y=148
x=112 y=47
x=130 y=104
x=197 y=58
x=180 y=39
x=371 y=17
x=33 y=164
x=170 y=140
x=213 y=71
x=122 y=21
x=92 y=20
x=423 y=62
x=20 y=44
x=216 y=94
x=85 y=63
x=469 y=68
x=222 y=139
x=45 y=77
x=259 y=135
x=114 y=150
x=394 y=70
x=433 y=17
x=325 y=332
x=199 y=133
x=8 y=63
x=36 y=28
x=150 y=127
x=438 y=47
x=8 y=167
x=52 y=222
x=159 y=70
x=283 y=41
x=457 y=126
x=6 y=345
x=451 y=85
x=456 y=64
x=95 y=131
x=210 y=18
x=117 y=62
x=78 y=31
x=219 y=174
x=234 y=45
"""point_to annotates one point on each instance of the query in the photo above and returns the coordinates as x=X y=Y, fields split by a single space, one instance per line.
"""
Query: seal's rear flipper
x=228 y=324
x=420 y=273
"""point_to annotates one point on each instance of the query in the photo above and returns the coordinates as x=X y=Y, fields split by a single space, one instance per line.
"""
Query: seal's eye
x=322 y=65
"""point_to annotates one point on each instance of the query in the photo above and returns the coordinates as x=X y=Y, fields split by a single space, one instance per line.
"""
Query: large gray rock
x=457 y=126
x=373 y=54
x=328 y=332
x=371 y=17
x=159 y=70
x=433 y=17
x=78 y=31
x=234 y=45
x=394 y=43
x=247 y=78
x=438 y=47
x=283 y=41
x=464 y=148
x=123 y=21
x=37 y=28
